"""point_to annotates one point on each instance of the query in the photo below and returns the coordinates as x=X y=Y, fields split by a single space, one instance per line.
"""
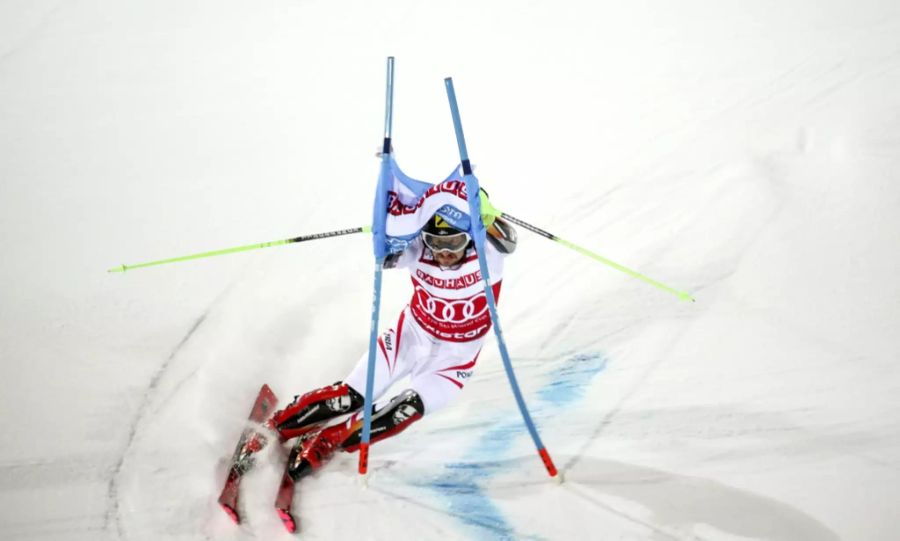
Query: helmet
x=440 y=236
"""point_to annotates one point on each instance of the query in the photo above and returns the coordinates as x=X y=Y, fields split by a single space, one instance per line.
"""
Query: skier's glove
x=488 y=212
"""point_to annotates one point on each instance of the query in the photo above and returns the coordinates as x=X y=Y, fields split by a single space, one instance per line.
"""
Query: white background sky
x=747 y=152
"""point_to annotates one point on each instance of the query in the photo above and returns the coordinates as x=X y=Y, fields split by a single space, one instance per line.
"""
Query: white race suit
x=439 y=335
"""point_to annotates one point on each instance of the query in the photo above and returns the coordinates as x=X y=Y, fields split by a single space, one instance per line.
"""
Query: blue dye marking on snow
x=462 y=484
x=570 y=382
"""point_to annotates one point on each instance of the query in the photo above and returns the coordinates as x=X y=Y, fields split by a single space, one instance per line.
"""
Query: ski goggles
x=446 y=243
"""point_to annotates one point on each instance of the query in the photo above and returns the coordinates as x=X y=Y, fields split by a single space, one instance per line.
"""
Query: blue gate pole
x=478 y=236
x=379 y=216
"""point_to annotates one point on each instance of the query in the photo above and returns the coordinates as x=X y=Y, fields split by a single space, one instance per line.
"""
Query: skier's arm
x=502 y=235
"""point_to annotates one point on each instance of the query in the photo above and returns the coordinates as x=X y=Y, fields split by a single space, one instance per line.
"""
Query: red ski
x=285 y=496
x=283 y=502
x=251 y=441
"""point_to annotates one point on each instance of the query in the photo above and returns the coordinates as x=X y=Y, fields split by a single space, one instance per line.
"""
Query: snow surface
x=747 y=152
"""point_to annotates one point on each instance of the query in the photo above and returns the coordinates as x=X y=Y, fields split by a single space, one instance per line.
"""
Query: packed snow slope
x=747 y=152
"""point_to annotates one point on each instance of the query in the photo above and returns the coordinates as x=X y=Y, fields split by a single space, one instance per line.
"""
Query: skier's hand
x=488 y=212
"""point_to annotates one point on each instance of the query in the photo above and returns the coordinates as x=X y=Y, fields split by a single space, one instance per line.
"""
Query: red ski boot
x=312 y=452
x=319 y=448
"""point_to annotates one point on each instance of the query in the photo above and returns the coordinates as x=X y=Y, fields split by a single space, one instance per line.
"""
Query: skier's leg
x=397 y=355
x=313 y=408
x=394 y=349
x=438 y=374
x=389 y=420
x=440 y=380
x=434 y=385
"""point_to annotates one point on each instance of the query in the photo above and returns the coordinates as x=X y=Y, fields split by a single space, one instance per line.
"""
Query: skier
x=435 y=342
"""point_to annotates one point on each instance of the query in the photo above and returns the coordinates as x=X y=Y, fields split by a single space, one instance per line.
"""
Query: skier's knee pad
x=402 y=411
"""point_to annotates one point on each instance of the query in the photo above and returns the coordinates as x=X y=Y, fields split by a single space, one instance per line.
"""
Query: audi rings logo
x=451 y=310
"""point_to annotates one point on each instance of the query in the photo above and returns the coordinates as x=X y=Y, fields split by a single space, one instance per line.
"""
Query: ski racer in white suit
x=436 y=342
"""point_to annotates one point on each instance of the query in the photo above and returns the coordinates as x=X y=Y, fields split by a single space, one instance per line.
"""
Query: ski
x=285 y=497
x=251 y=441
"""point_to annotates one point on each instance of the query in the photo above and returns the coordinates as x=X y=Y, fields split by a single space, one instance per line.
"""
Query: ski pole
x=489 y=210
x=236 y=249
x=478 y=236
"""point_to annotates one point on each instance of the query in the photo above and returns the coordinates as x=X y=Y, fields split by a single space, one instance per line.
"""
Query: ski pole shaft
x=236 y=249
x=597 y=257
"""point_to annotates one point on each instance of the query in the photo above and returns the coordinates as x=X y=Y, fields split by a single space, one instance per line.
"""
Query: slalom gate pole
x=379 y=216
x=236 y=249
x=478 y=236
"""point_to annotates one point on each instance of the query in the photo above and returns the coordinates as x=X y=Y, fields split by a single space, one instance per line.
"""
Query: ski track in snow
x=113 y=515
